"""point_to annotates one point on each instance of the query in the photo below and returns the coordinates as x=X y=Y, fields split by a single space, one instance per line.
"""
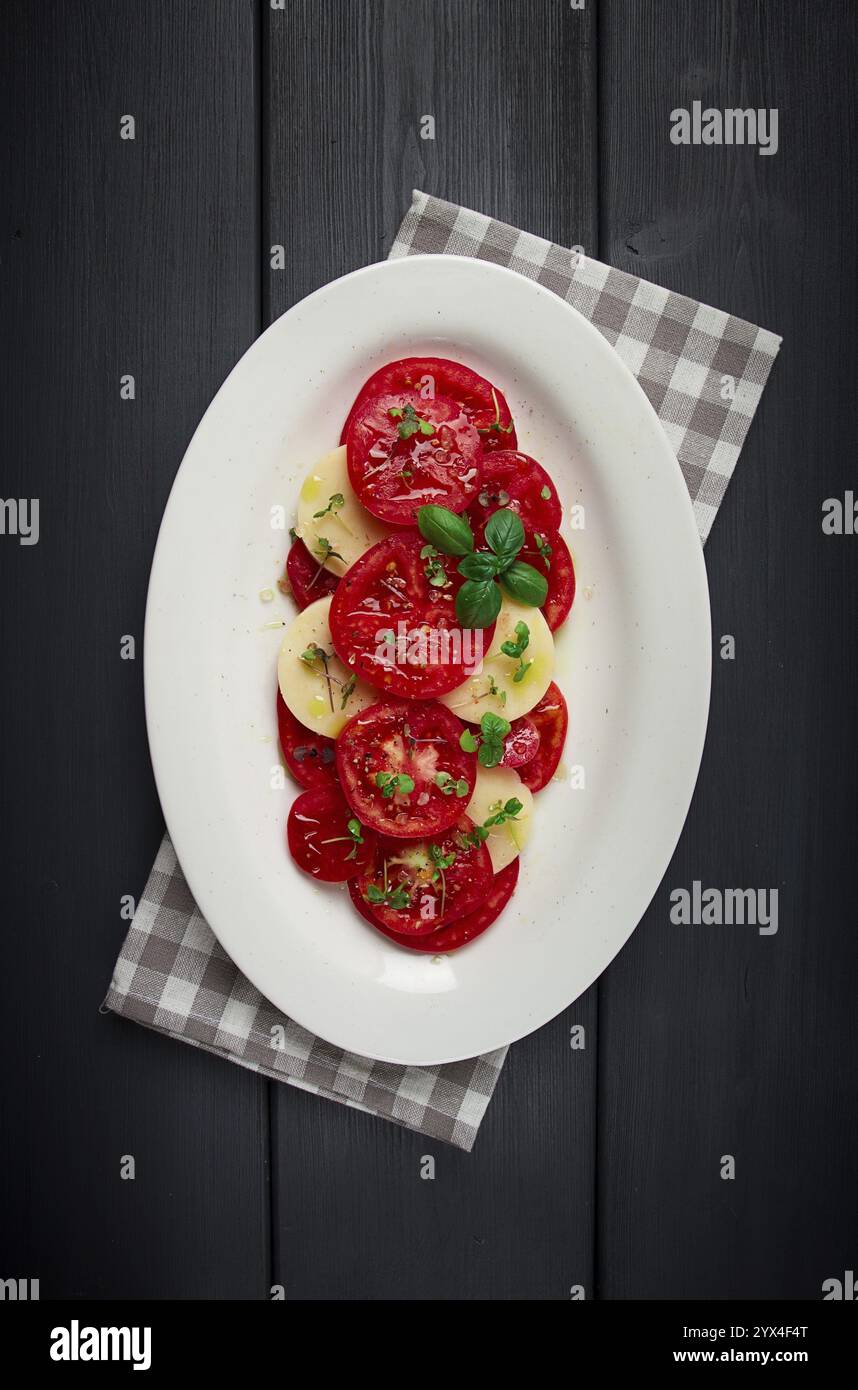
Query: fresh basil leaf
x=478 y=603
x=525 y=583
x=479 y=565
x=505 y=534
x=442 y=528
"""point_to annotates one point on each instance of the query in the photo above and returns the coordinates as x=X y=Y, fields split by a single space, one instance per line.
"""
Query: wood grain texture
x=714 y=1040
x=116 y=257
x=512 y=90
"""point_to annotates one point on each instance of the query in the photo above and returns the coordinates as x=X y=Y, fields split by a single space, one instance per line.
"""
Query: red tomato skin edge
x=321 y=802
x=379 y=381
x=307 y=773
x=458 y=933
x=546 y=766
x=302 y=572
x=558 y=605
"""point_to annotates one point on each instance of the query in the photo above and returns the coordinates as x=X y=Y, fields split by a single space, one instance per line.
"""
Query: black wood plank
x=117 y=257
x=713 y=1040
x=512 y=90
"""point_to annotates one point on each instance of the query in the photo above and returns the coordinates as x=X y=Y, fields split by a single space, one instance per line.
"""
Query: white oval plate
x=633 y=661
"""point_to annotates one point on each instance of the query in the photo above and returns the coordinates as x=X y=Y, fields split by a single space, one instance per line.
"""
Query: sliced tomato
x=398 y=631
x=521 y=744
x=484 y=405
x=388 y=747
x=440 y=461
x=517 y=481
x=325 y=838
x=308 y=580
x=548 y=552
x=551 y=718
x=311 y=758
x=457 y=933
x=407 y=891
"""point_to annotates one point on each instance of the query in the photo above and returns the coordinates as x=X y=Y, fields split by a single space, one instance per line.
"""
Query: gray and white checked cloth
x=704 y=372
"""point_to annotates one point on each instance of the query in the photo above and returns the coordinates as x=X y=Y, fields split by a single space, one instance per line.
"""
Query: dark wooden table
x=299 y=126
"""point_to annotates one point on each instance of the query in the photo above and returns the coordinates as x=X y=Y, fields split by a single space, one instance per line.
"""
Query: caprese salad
x=416 y=705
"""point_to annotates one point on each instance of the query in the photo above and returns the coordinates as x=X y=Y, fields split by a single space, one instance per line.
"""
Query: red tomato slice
x=521 y=744
x=307 y=580
x=460 y=932
x=311 y=758
x=396 y=630
x=515 y=480
x=551 y=718
x=320 y=840
x=558 y=569
x=430 y=897
x=482 y=402
x=417 y=742
x=393 y=476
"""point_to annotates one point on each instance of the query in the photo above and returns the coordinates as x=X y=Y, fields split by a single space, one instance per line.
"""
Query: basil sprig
x=479 y=599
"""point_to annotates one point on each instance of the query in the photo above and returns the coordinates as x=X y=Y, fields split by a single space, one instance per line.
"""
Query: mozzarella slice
x=303 y=684
x=495 y=786
x=511 y=698
x=350 y=529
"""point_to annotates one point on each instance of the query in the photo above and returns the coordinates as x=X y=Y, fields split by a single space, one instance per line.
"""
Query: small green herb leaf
x=335 y=501
x=394 y=784
x=545 y=494
x=522 y=641
x=468 y=742
x=449 y=786
x=411 y=422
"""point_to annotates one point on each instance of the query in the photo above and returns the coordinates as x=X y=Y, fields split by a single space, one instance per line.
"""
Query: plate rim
x=602 y=345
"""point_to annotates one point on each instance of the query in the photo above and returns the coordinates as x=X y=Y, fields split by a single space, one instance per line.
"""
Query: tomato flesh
x=401 y=739
x=319 y=837
x=521 y=744
x=398 y=631
x=551 y=718
x=430 y=897
x=483 y=403
x=458 y=933
x=395 y=476
x=311 y=758
x=515 y=480
x=307 y=579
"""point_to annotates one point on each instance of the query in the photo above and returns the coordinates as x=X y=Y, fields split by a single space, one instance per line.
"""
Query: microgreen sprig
x=449 y=785
x=434 y=569
x=515 y=649
x=335 y=502
x=325 y=552
x=394 y=784
x=440 y=862
x=398 y=898
x=489 y=746
x=410 y=421
x=501 y=812
x=316 y=653
x=355 y=829
x=496 y=424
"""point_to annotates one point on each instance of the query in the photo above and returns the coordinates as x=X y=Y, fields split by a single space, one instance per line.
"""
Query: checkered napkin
x=704 y=372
